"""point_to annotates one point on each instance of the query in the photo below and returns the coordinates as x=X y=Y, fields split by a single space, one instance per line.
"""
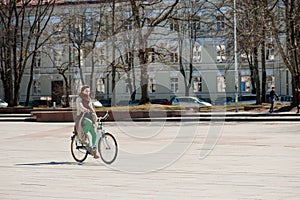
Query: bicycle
x=106 y=144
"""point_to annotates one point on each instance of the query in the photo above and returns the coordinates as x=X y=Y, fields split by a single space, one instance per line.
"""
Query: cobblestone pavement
x=158 y=160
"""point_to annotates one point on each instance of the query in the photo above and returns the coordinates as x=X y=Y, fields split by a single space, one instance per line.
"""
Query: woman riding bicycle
x=86 y=118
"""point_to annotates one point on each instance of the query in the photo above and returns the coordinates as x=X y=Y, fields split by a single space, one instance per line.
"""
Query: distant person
x=297 y=98
x=86 y=118
x=273 y=97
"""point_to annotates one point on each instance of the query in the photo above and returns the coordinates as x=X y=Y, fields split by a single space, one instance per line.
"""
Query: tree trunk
x=263 y=71
x=256 y=76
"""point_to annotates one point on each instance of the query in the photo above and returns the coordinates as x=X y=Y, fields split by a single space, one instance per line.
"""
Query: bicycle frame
x=100 y=130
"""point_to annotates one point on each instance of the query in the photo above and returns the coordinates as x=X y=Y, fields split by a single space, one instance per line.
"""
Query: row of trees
x=260 y=22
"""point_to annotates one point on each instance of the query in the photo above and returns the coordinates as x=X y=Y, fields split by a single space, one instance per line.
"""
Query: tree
x=284 y=18
x=22 y=24
x=145 y=14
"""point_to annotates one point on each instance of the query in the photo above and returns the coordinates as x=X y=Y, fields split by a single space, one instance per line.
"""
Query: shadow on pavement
x=50 y=163
x=284 y=109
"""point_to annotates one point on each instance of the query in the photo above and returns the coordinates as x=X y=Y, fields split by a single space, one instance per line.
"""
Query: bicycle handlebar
x=104 y=117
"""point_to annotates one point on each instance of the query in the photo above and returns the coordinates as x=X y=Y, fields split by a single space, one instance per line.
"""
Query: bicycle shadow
x=55 y=163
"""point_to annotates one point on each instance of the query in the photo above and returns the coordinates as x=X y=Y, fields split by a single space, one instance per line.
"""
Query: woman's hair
x=86 y=98
x=84 y=87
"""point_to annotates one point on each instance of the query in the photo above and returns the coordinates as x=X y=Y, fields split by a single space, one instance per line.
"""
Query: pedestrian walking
x=297 y=93
x=273 y=97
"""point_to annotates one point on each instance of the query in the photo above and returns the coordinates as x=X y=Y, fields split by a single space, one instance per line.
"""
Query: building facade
x=183 y=59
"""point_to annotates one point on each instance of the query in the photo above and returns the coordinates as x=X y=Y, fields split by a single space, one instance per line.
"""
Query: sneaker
x=95 y=153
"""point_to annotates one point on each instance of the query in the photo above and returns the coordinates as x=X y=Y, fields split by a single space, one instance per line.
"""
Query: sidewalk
x=281 y=114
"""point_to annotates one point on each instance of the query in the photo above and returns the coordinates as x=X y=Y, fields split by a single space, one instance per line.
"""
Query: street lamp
x=236 y=75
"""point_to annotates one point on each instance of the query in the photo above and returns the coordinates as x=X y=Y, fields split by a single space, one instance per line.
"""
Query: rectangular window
x=221 y=87
x=151 y=54
x=270 y=52
x=245 y=83
x=37 y=59
x=270 y=81
x=221 y=52
x=100 y=85
x=197 y=84
x=58 y=54
x=244 y=57
x=36 y=87
x=220 y=24
x=101 y=56
x=174 y=58
x=197 y=54
x=152 y=85
x=174 y=85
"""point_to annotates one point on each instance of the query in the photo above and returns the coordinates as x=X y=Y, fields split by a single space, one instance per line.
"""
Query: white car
x=3 y=104
x=189 y=101
x=97 y=103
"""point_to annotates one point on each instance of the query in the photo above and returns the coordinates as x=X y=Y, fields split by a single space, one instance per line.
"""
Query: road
x=157 y=160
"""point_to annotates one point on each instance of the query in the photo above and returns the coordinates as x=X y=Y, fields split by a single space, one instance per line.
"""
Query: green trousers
x=89 y=127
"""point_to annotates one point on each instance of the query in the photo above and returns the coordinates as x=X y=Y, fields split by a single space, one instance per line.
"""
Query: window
x=221 y=52
x=174 y=58
x=270 y=52
x=174 y=25
x=198 y=84
x=100 y=85
x=197 y=54
x=101 y=56
x=220 y=24
x=151 y=55
x=128 y=83
x=152 y=85
x=221 y=86
x=174 y=85
x=270 y=81
x=244 y=57
x=37 y=59
x=36 y=87
x=58 y=54
x=245 y=83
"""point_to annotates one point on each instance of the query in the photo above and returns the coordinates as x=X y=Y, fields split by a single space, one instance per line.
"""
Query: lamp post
x=236 y=75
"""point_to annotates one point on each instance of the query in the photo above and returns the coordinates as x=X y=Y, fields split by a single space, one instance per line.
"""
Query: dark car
x=247 y=99
x=286 y=98
x=105 y=102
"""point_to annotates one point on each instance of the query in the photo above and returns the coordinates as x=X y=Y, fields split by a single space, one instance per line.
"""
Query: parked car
x=205 y=99
x=247 y=99
x=3 y=104
x=223 y=101
x=161 y=101
x=96 y=103
x=134 y=103
x=189 y=101
x=105 y=102
x=286 y=98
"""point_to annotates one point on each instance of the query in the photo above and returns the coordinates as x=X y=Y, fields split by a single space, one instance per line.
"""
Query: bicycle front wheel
x=108 y=148
x=78 y=150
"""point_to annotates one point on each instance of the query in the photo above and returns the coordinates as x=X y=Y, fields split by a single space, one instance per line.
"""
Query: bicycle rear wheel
x=78 y=150
x=108 y=148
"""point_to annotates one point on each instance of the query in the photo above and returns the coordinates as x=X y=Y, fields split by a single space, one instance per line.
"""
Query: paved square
x=249 y=161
